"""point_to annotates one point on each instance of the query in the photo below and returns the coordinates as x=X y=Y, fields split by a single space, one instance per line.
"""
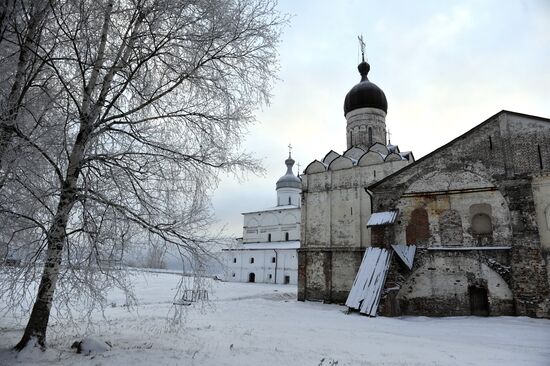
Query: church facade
x=477 y=211
x=267 y=251
x=335 y=205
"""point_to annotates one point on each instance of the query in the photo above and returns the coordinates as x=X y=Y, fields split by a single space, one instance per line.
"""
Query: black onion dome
x=365 y=94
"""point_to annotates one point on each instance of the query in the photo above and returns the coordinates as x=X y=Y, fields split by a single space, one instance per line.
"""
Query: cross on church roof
x=389 y=136
x=362 y=47
x=289 y=149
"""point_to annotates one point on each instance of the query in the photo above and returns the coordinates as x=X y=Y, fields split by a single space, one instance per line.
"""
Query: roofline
x=276 y=208
x=470 y=131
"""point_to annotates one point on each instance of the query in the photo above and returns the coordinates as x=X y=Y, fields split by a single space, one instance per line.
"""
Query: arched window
x=370 y=136
x=286 y=236
x=268 y=237
x=289 y=201
x=251 y=259
x=418 y=229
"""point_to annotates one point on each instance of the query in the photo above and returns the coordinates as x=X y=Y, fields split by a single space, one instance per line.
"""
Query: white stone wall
x=259 y=225
x=288 y=196
x=337 y=207
x=239 y=268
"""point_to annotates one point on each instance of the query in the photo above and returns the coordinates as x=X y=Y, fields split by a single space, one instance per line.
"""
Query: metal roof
x=382 y=218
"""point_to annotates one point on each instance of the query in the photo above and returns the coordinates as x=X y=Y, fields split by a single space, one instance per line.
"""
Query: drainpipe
x=370 y=195
x=276 y=262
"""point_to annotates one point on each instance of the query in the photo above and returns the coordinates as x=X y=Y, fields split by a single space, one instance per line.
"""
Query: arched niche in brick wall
x=418 y=229
x=450 y=228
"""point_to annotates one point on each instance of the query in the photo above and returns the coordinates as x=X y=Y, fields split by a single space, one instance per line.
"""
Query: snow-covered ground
x=259 y=324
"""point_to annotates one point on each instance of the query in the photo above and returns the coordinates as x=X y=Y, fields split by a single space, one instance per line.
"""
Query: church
x=475 y=214
x=267 y=251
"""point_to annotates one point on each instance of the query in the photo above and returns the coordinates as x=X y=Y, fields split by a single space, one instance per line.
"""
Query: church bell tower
x=365 y=109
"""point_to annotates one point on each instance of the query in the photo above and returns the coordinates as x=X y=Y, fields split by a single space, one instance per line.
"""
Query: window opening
x=286 y=237
x=234 y=260
x=540 y=157
x=370 y=136
x=268 y=237
x=252 y=260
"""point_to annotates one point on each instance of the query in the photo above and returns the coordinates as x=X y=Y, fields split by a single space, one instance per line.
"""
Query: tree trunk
x=40 y=315
x=38 y=321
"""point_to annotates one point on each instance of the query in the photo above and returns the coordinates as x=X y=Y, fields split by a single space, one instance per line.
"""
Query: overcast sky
x=445 y=66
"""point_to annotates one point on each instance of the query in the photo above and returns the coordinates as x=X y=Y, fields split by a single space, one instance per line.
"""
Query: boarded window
x=481 y=224
x=450 y=228
x=418 y=229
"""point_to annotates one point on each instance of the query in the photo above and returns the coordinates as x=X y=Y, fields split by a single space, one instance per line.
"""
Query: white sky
x=445 y=66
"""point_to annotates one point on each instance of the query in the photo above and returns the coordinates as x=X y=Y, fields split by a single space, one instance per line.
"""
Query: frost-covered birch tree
x=149 y=100
x=23 y=83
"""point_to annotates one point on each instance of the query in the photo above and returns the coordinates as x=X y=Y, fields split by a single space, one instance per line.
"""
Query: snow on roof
x=275 y=208
x=405 y=253
x=293 y=244
x=366 y=290
x=382 y=218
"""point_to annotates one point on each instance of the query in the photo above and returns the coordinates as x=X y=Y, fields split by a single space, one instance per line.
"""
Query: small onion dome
x=365 y=94
x=289 y=180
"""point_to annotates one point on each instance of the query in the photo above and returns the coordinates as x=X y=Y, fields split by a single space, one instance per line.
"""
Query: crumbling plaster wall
x=509 y=151
x=335 y=212
x=465 y=205
x=439 y=285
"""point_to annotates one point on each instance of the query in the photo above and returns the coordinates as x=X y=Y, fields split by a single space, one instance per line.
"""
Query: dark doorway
x=287 y=280
x=479 y=301
x=251 y=277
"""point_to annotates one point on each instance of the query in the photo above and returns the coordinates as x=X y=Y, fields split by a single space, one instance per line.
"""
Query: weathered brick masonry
x=487 y=172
